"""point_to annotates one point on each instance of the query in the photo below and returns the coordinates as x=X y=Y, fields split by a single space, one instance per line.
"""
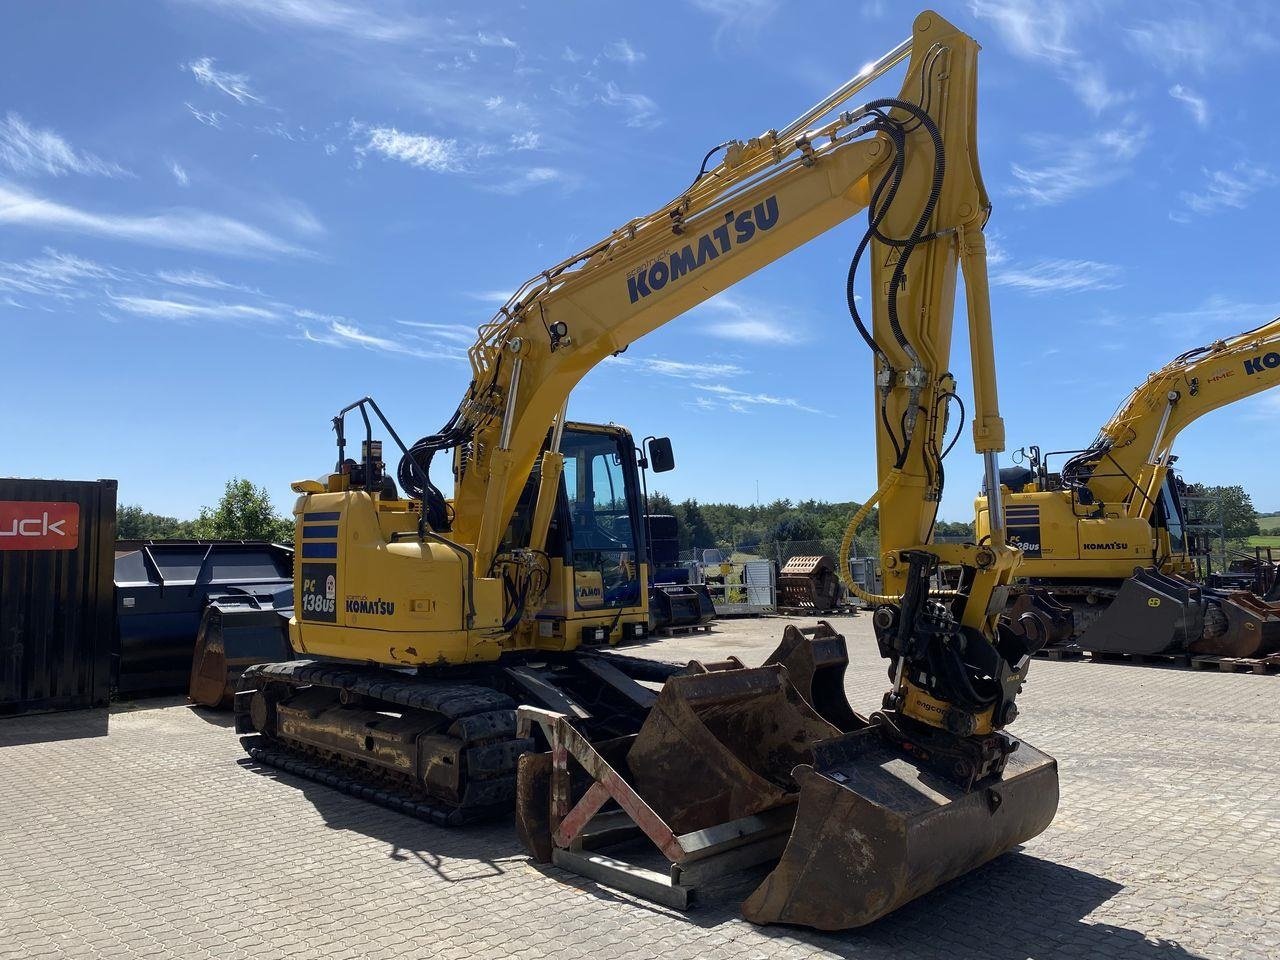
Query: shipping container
x=57 y=613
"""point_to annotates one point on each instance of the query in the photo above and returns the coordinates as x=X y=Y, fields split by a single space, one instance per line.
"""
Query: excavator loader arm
x=884 y=807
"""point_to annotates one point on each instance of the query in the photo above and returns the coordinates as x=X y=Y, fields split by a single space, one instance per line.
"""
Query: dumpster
x=162 y=589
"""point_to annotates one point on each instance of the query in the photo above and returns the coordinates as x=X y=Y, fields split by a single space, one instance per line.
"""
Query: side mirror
x=661 y=459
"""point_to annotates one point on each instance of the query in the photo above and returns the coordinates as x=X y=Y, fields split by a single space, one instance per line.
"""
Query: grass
x=1266 y=540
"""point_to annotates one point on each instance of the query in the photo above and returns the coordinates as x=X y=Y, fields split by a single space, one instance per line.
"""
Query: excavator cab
x=595 y=541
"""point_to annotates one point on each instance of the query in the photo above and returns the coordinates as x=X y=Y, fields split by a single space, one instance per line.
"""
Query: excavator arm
x=1123 y=469
x=909 y=160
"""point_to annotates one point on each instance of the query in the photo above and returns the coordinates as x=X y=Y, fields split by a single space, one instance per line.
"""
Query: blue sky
x=221 y=220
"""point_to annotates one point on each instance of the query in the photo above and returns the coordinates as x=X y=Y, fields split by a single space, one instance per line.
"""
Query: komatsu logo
x=1112 y=545
x=378 y=607
x=671 y=267
x=1251 y=366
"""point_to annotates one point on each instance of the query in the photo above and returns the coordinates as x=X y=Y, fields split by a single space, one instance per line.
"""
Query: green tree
x=135 y=523
x=700 y=533
x=1232 y=506
x=244 y=513
x=954 y=528
x=796 y=525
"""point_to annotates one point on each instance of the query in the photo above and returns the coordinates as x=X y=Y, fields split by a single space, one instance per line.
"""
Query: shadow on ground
x=1039 y=907
x=51 y=727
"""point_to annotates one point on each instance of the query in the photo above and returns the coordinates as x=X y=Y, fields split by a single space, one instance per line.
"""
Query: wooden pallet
x=1148 y=659
x=680 y=631
x=843 y=610
x=1238 y=664
x=1059 y=653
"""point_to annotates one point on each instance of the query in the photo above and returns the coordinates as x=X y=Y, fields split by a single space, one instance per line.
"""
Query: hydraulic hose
x=890 y=480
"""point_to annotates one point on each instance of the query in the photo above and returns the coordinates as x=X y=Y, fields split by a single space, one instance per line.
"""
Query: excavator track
x=438 y=751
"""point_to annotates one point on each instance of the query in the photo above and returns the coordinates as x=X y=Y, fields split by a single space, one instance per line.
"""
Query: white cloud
x=740 y=400
x=1175 y=45
x=166 y=309
x=623 y=52
x=495 y=297
x=570 y=55
x=418 y=150
x=750 y=322
x=176 y=228
x=1264 y=407
x=1042 y=30
x=529 y=140
x=457 y=332
x=1066 y=167
x=532 y=177
x=641 y=110
x=234 y=85
x=496 y=40
x=1030 y=27
x=213 y=118
x=1217 y=316
x=346 y=19
x=1195 y=103
x=53 y=274
x=1059 y=276
x=340 y=332
x=1228 y=189
x=678 y=369
x=29 y=151
x=179 y=173
x=737 y=15
x=201 y=279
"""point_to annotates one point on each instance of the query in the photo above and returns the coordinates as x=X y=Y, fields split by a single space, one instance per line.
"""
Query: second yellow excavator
x=423 y=620
x=1106 y=531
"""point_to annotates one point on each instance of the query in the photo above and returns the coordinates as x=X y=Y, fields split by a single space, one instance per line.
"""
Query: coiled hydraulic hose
x=890 y=480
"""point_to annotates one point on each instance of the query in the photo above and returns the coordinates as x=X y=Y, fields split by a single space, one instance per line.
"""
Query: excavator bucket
x=720 y=744
x=1153 y=613
x=730 y=758
x=1250 y=627
x=873 y=830
x=235 y=632
x=815 y=659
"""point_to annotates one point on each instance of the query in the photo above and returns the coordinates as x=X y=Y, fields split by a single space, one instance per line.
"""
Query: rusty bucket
x=874 y=830
x=720 y=744
x=1251 y=627
x=815 y=659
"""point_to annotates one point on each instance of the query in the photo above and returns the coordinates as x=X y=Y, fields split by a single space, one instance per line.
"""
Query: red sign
x=30 y=525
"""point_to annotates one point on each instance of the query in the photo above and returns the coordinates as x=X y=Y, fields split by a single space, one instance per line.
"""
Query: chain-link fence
x=780 y=551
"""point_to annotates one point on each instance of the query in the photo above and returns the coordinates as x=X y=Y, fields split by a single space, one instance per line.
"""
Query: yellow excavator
x=1106 y=531
x=424 y=621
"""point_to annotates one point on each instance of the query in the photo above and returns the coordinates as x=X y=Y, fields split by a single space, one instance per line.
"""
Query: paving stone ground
x=151 y=836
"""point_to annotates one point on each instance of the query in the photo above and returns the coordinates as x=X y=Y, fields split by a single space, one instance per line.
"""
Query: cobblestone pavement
x=160 y=840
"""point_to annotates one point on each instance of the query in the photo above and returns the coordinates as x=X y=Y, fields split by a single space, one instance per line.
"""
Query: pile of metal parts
x=809 y=585
x=737 y=766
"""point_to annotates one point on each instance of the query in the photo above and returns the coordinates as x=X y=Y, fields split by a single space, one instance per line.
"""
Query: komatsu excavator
x=423 y=621
x=1106 y=532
